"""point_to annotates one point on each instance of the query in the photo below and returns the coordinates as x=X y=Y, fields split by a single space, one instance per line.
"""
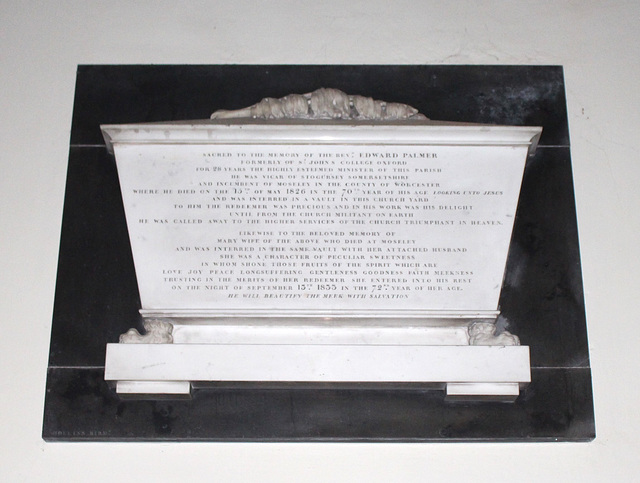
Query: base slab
x=472 y=372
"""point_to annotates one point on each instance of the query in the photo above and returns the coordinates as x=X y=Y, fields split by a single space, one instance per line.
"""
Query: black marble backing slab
x=97 y=298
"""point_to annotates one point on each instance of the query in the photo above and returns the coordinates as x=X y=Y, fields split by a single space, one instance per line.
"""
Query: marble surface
x=285 y=220
x=96 y=294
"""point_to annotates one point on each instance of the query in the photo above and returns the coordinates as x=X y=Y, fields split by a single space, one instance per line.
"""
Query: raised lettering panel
x=320 y=229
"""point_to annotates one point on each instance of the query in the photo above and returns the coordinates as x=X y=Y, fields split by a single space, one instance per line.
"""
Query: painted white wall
x=42 y=42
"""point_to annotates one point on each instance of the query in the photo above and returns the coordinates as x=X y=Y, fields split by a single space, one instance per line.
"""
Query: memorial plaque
x=381 y=221
x=187 y=311
x=314 y=211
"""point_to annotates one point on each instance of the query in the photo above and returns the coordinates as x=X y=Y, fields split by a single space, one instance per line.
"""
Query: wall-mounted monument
x=320 y=238
x=337 y=310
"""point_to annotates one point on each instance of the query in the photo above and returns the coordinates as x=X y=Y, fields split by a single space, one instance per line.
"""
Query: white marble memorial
x=320 y=238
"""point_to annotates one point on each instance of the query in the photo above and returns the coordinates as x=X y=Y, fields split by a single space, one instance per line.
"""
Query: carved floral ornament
x=484 y=333
x=157 y=332
x=324 y=103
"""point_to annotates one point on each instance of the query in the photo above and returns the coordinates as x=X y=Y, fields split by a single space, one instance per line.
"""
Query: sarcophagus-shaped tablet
x=349 y=219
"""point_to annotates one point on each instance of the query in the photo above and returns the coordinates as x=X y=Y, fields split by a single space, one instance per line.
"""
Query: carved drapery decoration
x=324 y=103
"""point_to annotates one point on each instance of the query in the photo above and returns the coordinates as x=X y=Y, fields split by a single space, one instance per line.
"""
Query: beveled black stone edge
x=336 y=440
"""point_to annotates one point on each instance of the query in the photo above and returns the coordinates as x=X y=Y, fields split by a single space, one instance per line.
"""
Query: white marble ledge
x=173 y=363
x=305 y=132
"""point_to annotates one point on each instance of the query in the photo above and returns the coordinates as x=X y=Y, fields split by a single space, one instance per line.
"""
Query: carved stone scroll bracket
x=324 y=103
x=484 y=333
x=157 y=332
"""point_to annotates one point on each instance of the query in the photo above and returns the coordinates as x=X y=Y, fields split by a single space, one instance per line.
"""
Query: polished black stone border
x=97 y=299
